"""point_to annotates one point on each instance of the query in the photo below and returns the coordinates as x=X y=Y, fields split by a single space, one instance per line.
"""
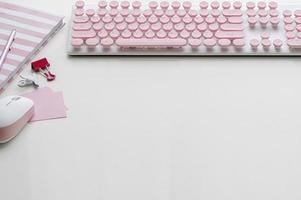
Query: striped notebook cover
x=33 y=29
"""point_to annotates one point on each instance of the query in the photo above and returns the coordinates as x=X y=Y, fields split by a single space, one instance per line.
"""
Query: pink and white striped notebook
x=34 y=28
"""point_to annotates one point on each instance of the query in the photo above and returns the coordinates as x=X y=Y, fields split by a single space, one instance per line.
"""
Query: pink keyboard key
x=90 y=12
x=110 y=26
x=251 y=13
x=84 y=34
x=298 y=27
x=263 y=21
x=273 y=5
x=289 y=27
x=156 y=27
x=107 y=42
x=158 y=13
x=175 y=19
x=107 y=19
x=207 y=34
x=277 y=43
x=287 y=13
x=82 y=26
x=226 y=5
x=215 y=13
x=81 y=19
x=79 y=4
x=235 y=20
x=121 y=27
x=130 y=19
x=161 y=34
x=252 y=21
x=209 y=43
x=168 y=26
x=76 y=42
x=102 y=12
x=126 y=34
x=102 y=34
x=114 y=34
x=186 y=5
x=232 y=27
x=138 y=34
x=79 y=12
x=298 y=20
x=274 y=13
x=250 y=5
x=118 y=19
x=297 y=13
x=144 y=27
x=237 y=5
x=190 y=27
x=202 y=27
x=224 y=43
x=102 y=4
x=266 y=43
x=261 y=5
x=215 y=4
x=114 y=4
x=136 y=13
x=164 y=19
x=149 y=34
x=153 y=19
x=210 y=20
x=187 y=19
x=221 y=19
x=98 y=26
x=232 y=13
x=254 y=43
x=125 y=4
x=134 y=26
x=204 y=13
x=229 y=34
x=194 y=43
x=150 y=43
x=294 y=43
x=198 y=19
x=203 y=5
x=173 y=34
x=141 y=19
x=181 y=13
x=262 y=13
x=153 y=5
x=192 y=13
x=196 y=34
x=175 y=5
x=213 y=27
x=185 y=34
x=95 y=19
x=288 y=20
x=164 y=5
x=170 y=13
x=136 y=4
x=113 y=12
x=92 y=42
x=274 y=21
x=238 y=43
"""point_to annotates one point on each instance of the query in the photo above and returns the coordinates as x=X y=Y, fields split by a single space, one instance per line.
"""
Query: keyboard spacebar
x=150 y=43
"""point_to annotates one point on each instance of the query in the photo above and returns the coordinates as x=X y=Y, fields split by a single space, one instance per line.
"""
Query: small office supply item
x=7 y=47
x=33 y=30
x=185 y=28
x=25 y=82
x=42 y=67
x=15 y=111
x=48 y=104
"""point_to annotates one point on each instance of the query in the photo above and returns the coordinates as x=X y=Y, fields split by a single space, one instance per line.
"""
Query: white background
x=158 y=128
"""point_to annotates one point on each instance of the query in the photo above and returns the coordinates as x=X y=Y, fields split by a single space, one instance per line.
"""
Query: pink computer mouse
x=15 y=112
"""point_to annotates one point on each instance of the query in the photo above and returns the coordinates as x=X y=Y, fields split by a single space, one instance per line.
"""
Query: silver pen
x=7 y=47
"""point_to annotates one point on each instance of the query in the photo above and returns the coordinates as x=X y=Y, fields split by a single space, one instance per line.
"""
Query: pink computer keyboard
x=185 y=28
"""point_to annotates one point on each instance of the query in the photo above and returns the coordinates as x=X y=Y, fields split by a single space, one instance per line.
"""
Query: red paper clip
x=42 y=66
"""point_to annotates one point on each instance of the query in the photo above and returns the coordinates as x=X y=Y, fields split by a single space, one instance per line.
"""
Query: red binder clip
x=42 y=66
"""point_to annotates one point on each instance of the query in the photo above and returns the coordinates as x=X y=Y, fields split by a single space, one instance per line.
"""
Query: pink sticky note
x=47 y=104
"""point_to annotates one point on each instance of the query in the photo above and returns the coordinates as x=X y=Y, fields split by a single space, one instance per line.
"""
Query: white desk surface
x=158 y=128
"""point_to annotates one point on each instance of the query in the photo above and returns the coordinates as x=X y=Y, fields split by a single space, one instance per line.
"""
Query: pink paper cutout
x=48 y=104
